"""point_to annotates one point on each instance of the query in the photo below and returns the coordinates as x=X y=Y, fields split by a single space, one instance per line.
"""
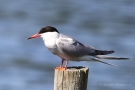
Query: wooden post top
x=73 y=78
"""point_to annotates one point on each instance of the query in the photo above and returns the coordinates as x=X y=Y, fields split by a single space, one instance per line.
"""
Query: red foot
x=61 y=68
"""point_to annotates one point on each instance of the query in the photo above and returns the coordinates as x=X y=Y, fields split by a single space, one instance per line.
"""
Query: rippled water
x=28 y=65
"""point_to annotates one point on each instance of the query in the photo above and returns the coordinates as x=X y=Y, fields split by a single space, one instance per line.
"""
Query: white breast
x=51 y=45
x=49 y=39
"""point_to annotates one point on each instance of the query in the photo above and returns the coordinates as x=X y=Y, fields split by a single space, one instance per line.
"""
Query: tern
x=69 y=49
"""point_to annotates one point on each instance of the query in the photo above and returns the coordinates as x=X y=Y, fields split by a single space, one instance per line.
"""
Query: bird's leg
x=61 y=63
x=61 y=66
x=66 y=64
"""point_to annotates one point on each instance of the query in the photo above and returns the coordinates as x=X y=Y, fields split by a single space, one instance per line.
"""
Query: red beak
x=34 y=36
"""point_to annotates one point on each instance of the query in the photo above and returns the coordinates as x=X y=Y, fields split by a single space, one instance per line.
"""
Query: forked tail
x=110 y=57
x=98 y=60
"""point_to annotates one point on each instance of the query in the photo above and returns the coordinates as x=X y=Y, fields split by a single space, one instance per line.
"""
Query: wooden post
x=73 y=78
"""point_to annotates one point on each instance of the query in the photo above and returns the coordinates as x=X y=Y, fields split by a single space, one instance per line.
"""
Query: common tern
x=68 y=48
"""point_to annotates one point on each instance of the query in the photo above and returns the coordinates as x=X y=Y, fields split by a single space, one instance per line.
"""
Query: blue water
x=28 y=65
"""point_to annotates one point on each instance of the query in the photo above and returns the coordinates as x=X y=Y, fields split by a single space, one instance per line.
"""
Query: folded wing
x=73 y=48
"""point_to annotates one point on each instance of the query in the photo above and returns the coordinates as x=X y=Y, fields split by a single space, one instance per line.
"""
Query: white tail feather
x=90 y=58
x=110 y=57
x=96 y=59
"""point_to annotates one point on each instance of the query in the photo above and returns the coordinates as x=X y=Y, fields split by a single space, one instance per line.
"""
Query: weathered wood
x=73 y=78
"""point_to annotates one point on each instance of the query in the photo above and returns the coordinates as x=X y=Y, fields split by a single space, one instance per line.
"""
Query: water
x=28 y=65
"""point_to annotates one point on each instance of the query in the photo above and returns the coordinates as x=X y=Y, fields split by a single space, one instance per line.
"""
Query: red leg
x=66 y=63
x=61 y=66
x=61 y=63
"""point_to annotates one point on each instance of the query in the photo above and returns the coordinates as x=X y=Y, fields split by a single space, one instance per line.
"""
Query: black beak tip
x=28 y=38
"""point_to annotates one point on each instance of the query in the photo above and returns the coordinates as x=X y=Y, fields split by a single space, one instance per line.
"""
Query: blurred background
x=104 y=24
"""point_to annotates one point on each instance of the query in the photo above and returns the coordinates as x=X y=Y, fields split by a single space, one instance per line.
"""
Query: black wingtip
x=103 y=52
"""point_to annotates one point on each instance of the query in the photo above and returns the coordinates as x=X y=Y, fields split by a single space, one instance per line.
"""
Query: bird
x=69 y=49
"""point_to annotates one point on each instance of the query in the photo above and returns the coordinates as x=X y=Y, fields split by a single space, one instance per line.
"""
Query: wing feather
x=73 y=48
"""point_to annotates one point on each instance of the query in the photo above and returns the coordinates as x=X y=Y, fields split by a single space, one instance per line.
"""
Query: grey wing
x=73 y=48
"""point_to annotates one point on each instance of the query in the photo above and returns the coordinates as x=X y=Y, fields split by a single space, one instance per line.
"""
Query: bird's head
x=44 y=32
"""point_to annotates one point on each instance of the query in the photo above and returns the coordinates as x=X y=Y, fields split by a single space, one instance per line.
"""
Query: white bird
x=68 y=48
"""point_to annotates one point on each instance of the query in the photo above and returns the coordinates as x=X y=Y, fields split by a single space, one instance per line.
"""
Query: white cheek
x=49 y=38
x=45 y=36
x=49 y=35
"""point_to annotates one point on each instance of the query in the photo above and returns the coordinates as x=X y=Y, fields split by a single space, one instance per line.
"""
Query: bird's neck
x=50 y=35
x=49 y=39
